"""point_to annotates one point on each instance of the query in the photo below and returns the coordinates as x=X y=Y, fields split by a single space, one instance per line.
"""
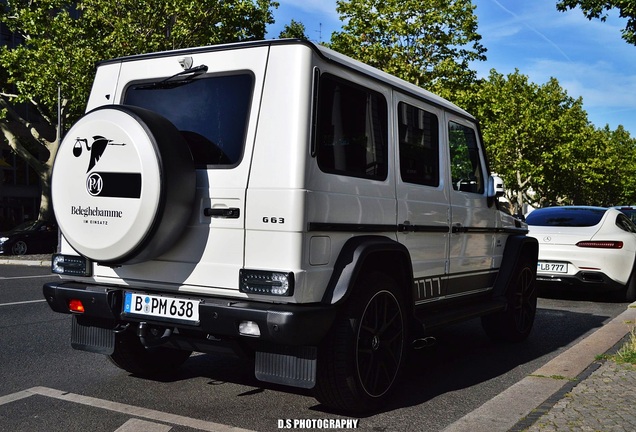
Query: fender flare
x=515 y=246
x=351 y=260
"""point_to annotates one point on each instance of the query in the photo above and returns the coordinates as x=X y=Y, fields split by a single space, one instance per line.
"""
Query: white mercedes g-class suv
x=286 y=203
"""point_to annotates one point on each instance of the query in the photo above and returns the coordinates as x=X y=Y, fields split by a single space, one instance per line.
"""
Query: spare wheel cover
x=123 y=185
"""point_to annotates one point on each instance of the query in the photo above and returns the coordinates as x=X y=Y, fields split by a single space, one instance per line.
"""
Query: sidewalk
x=602 y=401
x=43 y=260
x=575 y=391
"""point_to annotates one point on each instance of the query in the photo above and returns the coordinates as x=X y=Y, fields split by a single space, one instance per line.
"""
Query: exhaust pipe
x=421 y=343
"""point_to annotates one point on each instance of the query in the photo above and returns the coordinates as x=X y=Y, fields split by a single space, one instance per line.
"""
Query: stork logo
x=97 y=148
x=106 y=184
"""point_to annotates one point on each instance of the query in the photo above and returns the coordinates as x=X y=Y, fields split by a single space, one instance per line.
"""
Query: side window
x=351 y=130
x=466 y=172
x=419 y=145
x=624 y=223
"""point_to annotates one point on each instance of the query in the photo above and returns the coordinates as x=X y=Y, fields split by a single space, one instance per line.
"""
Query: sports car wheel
x=19 y=248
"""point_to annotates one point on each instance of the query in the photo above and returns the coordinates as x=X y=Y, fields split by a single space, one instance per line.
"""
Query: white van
x=280 y=201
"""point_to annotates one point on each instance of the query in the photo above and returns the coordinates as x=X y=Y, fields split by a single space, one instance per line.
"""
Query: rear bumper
x=284 y=324
x=587 y=280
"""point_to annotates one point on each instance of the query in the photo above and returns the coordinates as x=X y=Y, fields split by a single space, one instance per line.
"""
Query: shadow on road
x=462 y=358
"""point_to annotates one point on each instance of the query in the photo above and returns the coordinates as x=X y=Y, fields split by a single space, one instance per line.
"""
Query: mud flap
x=291 y=366
x=92 y=339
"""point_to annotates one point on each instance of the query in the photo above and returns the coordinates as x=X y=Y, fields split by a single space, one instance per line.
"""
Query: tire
x=131 y=356
x=19 y=248
x=123 y=185
x=514 y=324
x=361 y=358
x=626 y=294
x=630 y=289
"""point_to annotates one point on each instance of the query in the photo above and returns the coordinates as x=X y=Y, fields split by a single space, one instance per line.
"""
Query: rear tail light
x=70 y=265
x=76 y=305
x=606 y=244
x=266 y=282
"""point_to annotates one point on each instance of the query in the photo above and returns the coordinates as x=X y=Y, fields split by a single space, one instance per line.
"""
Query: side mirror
x=495 y=186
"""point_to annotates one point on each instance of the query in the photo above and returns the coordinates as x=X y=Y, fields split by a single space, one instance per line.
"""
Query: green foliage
x=627 y=352
x=425 y=42
x=597 y=9
x=293 y=30
x=63 y=40
x=540 y=141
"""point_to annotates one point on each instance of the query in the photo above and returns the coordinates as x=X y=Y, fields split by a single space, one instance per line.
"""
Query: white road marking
x=136 y=425
x=26 y=277
x=22 y=302
x=122 y=408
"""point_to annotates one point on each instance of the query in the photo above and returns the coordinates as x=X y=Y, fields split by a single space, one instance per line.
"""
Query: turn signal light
x=76 y=306
x=605 y=244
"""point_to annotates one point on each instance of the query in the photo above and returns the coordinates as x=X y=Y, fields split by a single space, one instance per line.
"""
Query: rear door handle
x=225 y=213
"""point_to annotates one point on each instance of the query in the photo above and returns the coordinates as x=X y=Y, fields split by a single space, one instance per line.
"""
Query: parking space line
x=15 y=397
x=136 y=425
x=122 y=409
x=27 y=277
x=22 y=302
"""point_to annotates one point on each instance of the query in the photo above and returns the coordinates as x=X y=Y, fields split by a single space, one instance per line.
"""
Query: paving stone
x=603 y=402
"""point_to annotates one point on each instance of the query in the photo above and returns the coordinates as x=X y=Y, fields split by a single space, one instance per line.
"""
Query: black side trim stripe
x=486 y=230
x=346 y=227
x=423 y=228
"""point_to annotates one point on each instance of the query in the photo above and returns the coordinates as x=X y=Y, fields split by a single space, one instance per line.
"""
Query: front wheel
x=361 y=358
x=132 y=356
x=515 y=322
x=19 y=248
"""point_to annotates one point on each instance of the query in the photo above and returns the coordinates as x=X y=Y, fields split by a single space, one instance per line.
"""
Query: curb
x=30 y=263
x=516 y=403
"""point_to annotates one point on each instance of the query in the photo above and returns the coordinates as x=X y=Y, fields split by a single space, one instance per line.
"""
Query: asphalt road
x=47 y=386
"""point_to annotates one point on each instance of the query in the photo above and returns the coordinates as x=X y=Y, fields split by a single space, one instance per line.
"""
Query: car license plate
x=162 y=307
x=552 y=267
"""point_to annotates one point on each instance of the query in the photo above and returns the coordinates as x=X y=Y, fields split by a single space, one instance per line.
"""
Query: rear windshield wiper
x=171 y=82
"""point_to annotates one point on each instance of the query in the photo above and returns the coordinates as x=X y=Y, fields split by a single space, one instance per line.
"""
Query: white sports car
x=586 y=247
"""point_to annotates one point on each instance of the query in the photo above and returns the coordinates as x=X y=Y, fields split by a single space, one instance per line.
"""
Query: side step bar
x=431 y=319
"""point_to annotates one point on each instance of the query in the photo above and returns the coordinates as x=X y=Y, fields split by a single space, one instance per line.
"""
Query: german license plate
x=552 y=267
x=162 y=307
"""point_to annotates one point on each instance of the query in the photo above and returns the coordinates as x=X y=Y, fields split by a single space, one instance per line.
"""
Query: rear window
x=211 y=113
x=562 y=216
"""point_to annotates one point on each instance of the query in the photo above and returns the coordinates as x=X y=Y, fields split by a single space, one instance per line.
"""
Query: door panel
x=422 y=199
x=472 y=220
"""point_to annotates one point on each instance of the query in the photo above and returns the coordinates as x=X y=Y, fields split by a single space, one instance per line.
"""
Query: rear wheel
x=362 y=357
x=515 y=323
x=628 y=293
x=132 y=356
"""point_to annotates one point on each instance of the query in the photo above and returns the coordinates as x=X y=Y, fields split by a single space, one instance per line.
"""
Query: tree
x=614 y=165
x=63 y=40
x=597 y=9
x=293 y=30
x=537 y=137
x=426 y=42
